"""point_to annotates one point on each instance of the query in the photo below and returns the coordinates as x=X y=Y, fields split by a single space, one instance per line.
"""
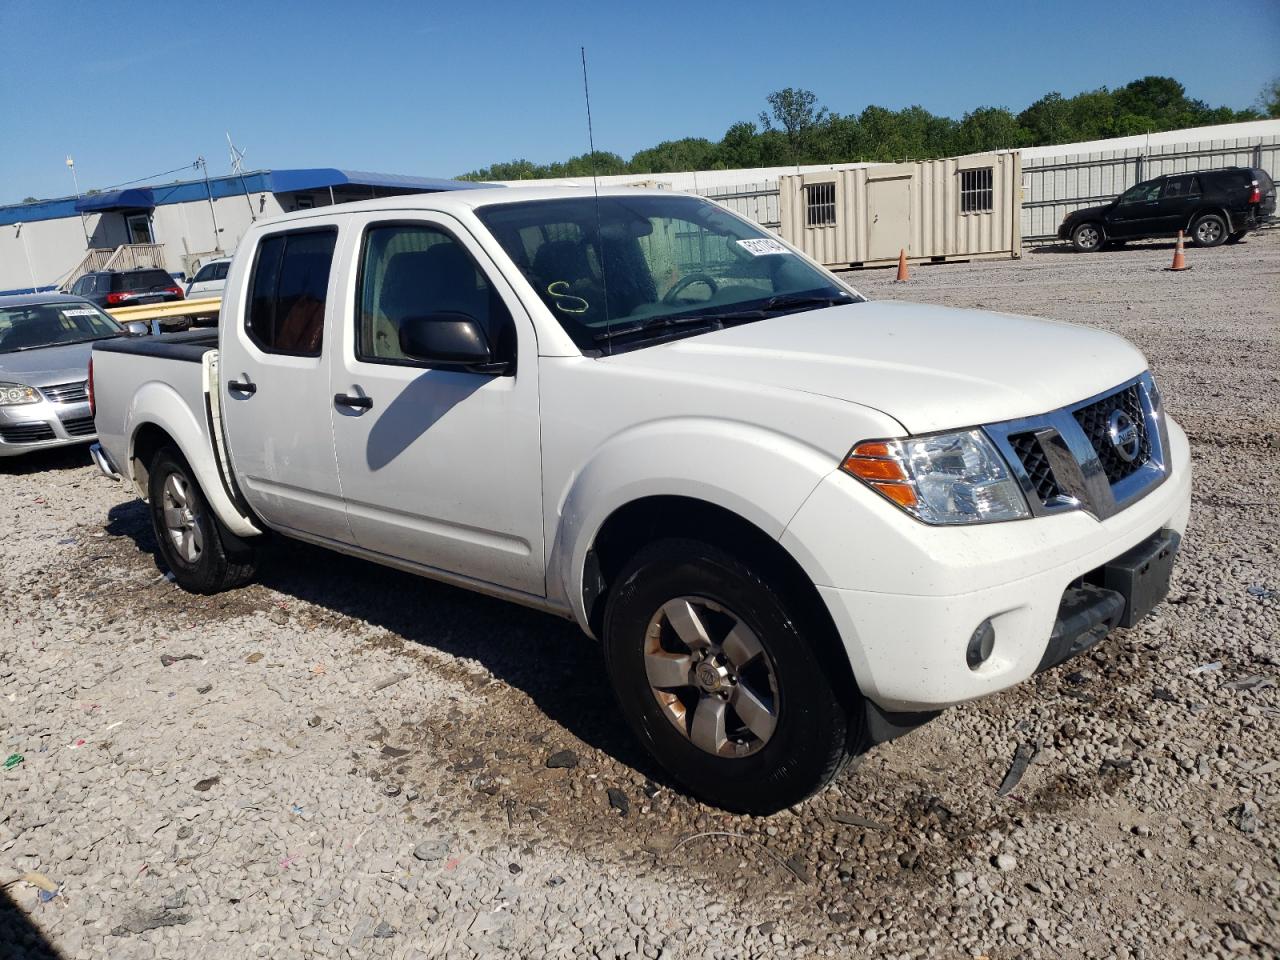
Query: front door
x=1137 y=213
x=139 y=225
x=274 y=371
x=439 y=466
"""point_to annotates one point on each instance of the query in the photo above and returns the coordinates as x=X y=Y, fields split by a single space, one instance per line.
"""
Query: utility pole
x=217 y=240
x=26 y=250
x=71 y=165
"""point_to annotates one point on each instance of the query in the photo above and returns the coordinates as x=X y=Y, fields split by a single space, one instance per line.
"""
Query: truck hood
x=930 y=368
x=47 y=365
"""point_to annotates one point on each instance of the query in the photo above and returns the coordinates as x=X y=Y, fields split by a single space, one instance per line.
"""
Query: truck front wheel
x=720 y=681
x=192 y=540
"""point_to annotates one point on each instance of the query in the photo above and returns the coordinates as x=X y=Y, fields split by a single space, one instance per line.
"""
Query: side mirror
x=137 y=328
x=448 y=340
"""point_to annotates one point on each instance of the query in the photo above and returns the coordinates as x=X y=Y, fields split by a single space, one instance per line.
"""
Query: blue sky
x=131 y=89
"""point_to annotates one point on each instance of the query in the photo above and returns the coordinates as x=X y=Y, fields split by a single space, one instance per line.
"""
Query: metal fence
x=1054 y=186
x=755 y=201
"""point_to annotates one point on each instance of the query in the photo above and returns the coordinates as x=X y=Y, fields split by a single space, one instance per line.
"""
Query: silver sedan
x=45 y=343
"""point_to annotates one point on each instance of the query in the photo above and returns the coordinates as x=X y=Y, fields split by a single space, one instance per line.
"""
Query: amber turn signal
x=876 y=464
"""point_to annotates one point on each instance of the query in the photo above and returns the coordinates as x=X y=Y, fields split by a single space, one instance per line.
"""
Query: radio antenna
x=595 y=188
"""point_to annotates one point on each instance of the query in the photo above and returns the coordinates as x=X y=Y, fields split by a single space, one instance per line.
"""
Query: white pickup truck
x=798 y=521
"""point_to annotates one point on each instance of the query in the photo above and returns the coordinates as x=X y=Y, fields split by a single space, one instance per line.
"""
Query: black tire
x=1208 y=230
x=810 y=739
x=1088 y=237
x=1237 y=236
x=213 y=559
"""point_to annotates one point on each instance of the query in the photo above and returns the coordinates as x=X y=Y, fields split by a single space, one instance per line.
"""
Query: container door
x=888 y=218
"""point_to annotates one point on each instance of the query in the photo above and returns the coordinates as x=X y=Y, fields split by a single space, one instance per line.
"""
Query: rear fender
x=159 y=405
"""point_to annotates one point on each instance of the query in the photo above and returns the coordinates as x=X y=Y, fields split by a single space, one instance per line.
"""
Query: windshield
x=634 y=268
x=31 y=326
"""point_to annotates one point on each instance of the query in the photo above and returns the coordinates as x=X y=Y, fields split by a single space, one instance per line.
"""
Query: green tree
x=691 y=153
x=1269 y=99
x=798 y=113
x=989 y=128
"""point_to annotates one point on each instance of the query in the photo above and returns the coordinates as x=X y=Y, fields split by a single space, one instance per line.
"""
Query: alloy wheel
x=180 y=519
x=711 y=677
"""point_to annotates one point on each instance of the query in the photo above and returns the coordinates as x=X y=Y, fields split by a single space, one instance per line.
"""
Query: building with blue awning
x=176 y=226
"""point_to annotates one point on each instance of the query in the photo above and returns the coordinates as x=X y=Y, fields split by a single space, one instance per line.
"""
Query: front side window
x=206 y=273
x=625 y=270
x=288 y=290
x=53 y=324
x=415 y=270
x=1142 y=193
x=976 y=194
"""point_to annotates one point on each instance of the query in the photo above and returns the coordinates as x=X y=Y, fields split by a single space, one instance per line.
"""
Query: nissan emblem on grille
x=1124 y=436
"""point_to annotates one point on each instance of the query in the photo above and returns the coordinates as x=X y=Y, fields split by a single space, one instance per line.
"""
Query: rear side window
x=1178 y=187
x=220 y=270
x=287 y=292
x=141 y=280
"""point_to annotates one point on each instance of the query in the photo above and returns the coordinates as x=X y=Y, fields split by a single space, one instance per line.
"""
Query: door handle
x=242 y=386
x=354 y=403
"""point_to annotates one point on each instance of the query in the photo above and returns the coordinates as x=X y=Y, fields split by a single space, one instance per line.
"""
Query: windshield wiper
x=60 y=343
x=782 y=303
x=658 y=323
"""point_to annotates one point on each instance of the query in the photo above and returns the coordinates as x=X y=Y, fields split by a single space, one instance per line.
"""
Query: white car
x=209 y=279
x=798 y=521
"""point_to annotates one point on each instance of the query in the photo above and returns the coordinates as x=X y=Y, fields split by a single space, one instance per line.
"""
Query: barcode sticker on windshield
x=80 y=313
x=763 y=245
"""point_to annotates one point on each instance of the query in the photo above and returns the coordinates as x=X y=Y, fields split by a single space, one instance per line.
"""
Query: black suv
x=127 y=288
x=1210 y=206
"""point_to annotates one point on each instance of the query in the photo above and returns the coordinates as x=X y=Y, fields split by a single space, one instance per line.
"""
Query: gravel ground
x=346 y=761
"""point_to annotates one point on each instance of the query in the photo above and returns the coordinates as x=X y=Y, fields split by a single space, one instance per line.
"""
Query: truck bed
x=188 y=345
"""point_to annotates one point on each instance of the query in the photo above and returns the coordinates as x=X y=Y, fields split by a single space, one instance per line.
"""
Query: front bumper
x=923 y=591
x=44 y=425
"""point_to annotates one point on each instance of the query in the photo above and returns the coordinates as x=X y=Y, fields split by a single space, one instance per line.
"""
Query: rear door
x=441 y=467
x=1178 y=201
x=1137 y=212
x=274 y=369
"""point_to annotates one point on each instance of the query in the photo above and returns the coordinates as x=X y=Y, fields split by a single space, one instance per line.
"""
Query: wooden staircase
x=127 y=256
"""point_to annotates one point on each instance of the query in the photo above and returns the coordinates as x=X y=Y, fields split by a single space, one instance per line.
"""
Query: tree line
x=797 y=129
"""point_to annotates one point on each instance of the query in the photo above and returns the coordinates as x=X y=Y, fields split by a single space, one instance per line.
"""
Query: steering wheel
x=688 y=281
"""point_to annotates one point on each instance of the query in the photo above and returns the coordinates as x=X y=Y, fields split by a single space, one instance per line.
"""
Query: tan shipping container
x=959 y=208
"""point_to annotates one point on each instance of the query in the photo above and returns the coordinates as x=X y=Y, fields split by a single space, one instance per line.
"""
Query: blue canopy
x=135 y=198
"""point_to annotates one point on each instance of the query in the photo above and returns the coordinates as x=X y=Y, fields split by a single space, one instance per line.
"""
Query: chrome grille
x=1093 y=420
x=79 y=426
x=67 y=392
x=26 y=432
x=1039 y=471
x=1065 y=459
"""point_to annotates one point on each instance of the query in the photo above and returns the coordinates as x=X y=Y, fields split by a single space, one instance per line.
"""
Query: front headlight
x=13 y=394
x=947 y=478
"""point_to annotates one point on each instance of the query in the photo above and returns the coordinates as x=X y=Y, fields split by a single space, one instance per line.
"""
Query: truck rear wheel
x=193 y=542
x=1208 y=230
x=719 y=681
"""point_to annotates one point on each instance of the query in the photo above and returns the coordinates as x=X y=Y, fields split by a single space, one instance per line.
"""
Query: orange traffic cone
x=1179 y=259
x=902 y=267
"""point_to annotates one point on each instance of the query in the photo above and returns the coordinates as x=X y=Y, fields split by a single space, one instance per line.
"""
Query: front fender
x=158 y=404
x=761 y=475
